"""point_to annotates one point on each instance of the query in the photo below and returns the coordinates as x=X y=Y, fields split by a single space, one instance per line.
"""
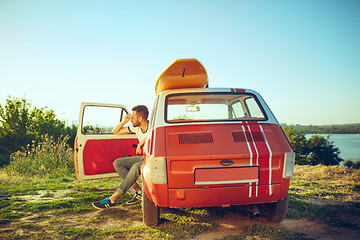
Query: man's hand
x=140 y=146
x=139 y=149
x=127 y=118
x=119 y=129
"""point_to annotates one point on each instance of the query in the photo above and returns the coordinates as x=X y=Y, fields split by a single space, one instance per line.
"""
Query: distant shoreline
x=353 y=128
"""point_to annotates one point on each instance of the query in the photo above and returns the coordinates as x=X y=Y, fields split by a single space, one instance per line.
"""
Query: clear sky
x=303 y=57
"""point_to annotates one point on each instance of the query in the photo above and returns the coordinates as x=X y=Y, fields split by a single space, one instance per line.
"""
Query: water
x=348 y=144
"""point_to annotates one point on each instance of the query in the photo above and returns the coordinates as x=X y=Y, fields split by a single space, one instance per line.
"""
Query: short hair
x=141 y=111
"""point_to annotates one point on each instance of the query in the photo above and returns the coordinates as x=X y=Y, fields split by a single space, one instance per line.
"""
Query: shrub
x=20 y=124
x=357 y=165
x=47 y=157
x=315 y=150
x=349 y=163
x=352 y=163
x=323 y=151
x=299 y=144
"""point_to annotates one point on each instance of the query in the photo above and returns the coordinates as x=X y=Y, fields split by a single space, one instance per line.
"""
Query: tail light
x=289 y=161
x=158 y=170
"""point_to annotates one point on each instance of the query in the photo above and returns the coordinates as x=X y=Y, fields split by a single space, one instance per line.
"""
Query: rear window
x=213 y=107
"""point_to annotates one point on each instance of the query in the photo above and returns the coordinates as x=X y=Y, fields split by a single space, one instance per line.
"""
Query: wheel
x=151 y=212
x=275 y=212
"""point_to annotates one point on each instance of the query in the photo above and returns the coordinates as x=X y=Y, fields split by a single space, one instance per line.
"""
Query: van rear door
x=96 y=147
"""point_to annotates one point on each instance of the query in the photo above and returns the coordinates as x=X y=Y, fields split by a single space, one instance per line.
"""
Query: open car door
x=96 y=147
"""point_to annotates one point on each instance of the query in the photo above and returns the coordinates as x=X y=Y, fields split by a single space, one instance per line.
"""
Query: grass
x=71 y=215
x=52 y=204
x=43 y=158
x=329 y=182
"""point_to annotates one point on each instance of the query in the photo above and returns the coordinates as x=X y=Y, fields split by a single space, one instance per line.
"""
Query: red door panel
x=100 y=154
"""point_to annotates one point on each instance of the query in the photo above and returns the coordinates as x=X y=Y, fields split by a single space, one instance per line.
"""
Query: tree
x=299 y=144
x=14 y=119
x=323 y=151
x=20 y=124
x=315 y=150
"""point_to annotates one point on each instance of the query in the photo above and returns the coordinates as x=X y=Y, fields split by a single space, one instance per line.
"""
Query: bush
x=323 y=151
x=357 y=165
x=315 y=150
x=47 y=157
x=20 y=124
x=349 y=163
x=299 y=144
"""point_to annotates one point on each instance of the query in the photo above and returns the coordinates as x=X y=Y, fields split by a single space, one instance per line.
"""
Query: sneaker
x=135 y=199
x=103 y=204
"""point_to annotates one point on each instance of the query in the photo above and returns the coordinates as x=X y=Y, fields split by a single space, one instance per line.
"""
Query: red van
x=207 y=147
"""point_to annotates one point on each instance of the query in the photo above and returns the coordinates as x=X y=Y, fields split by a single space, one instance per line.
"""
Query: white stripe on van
x=251 y=154
x=270 y=159
x=257 y=160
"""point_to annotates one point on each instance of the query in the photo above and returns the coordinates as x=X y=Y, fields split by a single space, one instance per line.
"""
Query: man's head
x=140 y=113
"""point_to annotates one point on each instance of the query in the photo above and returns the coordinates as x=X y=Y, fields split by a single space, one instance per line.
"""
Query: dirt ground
x=233 y=225
x=230 y=224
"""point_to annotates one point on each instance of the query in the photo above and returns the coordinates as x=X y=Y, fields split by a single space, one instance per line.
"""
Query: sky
x=303 y=57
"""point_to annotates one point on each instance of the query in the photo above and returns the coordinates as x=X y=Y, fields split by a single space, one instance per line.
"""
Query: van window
x=101 y=120
x=213 y=107
x=253 y=108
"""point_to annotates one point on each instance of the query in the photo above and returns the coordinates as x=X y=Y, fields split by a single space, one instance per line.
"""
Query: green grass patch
x=186 y=223
x=300 y=209
x=47 y=195
x=7 y=216
x=140 y=232
x=39 y=216
x=28 y=226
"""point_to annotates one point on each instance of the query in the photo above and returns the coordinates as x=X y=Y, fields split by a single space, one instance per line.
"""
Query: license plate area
x=213 y=176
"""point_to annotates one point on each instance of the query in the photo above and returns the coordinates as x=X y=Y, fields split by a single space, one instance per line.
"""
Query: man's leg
x=128 y=181
x=123 y=165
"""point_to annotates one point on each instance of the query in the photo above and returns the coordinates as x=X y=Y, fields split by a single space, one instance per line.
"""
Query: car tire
x=151 y=212
x=275 y=212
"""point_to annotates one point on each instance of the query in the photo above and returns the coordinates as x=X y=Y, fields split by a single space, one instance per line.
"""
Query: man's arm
x=140 y=146
x=119 y=129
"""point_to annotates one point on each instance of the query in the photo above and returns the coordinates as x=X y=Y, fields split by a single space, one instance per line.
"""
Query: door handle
x=226 y=162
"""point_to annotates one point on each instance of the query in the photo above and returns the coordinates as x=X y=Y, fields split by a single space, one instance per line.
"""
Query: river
x=348 y=144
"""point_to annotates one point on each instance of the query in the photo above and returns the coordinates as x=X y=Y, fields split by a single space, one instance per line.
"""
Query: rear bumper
x=224 y=196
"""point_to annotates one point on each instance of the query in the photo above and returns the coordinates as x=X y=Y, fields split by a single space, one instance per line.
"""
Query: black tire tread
x=277 y=211
x=151 y=212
